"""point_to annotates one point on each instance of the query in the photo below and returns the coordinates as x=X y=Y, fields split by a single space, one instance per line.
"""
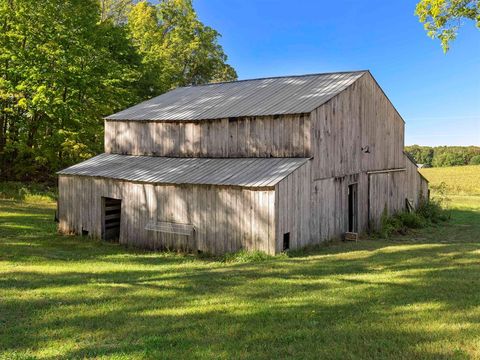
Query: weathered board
x=416 y=184
x=358 y=130
x=213 y=211
x=266 y=136
x=387 y=195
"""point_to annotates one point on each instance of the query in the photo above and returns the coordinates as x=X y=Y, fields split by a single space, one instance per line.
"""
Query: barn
x=265 y=164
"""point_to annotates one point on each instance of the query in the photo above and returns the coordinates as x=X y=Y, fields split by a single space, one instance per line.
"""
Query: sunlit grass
x=414 y=296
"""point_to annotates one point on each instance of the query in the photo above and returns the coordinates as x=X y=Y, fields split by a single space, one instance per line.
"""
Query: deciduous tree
x=443 y=18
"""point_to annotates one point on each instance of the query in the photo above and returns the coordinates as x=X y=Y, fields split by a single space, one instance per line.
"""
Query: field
x=414 y=296
x=458 y=179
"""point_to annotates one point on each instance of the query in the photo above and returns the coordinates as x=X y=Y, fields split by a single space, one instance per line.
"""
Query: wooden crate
x=350 y=236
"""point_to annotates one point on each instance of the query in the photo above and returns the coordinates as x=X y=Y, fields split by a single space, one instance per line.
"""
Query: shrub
x=433 y=212
x=475 y=160
x=411 y=220
x=391 y=225
x=428 y=212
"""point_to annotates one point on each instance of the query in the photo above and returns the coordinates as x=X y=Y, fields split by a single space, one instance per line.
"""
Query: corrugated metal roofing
x=246 y=172
x=257 y=97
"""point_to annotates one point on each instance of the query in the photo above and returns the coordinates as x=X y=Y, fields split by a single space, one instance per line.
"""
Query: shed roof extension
x=256 y=97
x=244 y=172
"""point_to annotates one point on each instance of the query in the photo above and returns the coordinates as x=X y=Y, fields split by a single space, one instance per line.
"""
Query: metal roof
x=245 y=172
x=257 y=97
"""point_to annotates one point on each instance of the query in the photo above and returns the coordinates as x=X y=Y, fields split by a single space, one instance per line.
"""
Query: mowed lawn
x=415 y=296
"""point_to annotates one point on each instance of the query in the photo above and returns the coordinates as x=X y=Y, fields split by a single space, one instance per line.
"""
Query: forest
x=440 y=156
x=65 y=64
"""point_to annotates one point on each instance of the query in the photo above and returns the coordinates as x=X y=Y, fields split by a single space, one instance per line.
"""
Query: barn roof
x=245 y=172
x=256 y=97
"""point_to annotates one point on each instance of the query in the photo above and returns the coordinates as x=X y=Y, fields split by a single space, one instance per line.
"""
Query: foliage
x=428 y=212
x=66 y=64
x=177 y=49
x=443 y=155
x=68 y=297
x=433 y=211
x=391 y=225
x=443 y=18
x=475 y=160
x=27 y=192
x=413 y=220
x=454 y=180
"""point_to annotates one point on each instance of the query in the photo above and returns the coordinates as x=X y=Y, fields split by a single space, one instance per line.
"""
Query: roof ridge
x=276 y=77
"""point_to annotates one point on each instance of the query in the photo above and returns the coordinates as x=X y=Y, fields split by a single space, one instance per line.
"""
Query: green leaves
x=177 y=49
x=443 y=18
x=65 y=64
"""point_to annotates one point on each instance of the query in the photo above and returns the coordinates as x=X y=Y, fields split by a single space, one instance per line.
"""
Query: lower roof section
x=245 y=172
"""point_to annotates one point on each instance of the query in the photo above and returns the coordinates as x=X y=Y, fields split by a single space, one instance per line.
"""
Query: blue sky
x=438 y=95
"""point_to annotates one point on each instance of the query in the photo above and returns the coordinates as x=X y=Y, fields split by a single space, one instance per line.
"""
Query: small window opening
x=286 y=241
x=84 y=232
x=112 y=209
x=352 y=208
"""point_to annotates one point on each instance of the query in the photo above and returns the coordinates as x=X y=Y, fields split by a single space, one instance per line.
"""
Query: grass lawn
x=416 y=296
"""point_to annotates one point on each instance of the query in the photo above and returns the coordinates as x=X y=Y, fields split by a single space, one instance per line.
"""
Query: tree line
x=445 y=155
x=65 y=64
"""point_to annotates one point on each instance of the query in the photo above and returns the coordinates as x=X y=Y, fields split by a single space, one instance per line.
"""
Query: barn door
x=111 y=218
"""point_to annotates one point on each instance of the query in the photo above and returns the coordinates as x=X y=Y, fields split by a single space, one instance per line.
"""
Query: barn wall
x=330 y=206
x=316 y=211
x=293 y=212
x=225 y=218
x=266 y=136
x=387 y=193
x=359 y=117
x=417 y=185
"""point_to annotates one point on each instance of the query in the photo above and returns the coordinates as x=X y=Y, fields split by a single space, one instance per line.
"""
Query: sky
x=437 y=94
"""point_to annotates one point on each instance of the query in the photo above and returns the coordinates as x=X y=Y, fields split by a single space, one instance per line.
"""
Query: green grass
x=415 y=296
x=458 y=179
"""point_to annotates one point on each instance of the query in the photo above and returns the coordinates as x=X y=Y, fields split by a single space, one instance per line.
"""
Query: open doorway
x=111 y=216
x=352 y=208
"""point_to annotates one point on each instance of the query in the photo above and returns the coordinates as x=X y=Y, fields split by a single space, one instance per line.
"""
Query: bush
x=475 y=160
x=411 y=220
x=433 y=212
x=391 y=225
x=428 y=212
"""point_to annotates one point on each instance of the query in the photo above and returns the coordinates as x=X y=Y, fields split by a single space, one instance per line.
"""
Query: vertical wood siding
x=416 y=185
x=294 y=209
x=329 y=202
x=226 y=219
x=387 y=195
x=358 y=117
x=266 y=136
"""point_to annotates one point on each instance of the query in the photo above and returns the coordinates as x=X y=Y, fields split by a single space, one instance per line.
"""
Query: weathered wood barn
x=265 y=164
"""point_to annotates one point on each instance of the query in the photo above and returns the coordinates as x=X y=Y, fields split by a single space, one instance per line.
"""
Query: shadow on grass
x=72 y=297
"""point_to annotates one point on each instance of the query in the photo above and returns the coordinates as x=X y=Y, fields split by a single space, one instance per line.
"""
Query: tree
x=443 y=18
x=61 y=70
x=177 y=49
x=475 y=160
x=64 y=64
x=443 y=155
